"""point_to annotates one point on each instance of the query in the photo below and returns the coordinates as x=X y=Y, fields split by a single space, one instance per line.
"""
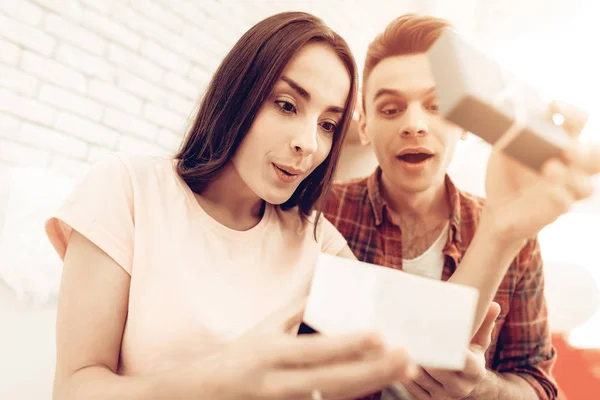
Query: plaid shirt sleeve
x=524 y=344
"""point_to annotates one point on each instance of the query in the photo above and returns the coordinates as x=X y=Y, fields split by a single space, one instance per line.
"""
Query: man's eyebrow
x=383 y=92
x=398 y=93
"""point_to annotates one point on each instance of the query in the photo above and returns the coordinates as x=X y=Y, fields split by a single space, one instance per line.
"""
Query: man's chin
x=411 y=185
x=415 y=189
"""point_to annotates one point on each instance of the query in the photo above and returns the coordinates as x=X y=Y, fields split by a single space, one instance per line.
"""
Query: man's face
x=413 y=144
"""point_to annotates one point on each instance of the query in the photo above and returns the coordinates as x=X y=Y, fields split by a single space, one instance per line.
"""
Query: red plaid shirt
x=521 y=341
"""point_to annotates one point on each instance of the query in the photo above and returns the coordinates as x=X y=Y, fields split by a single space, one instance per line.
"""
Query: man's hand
x=445 y=385
x=521 y=202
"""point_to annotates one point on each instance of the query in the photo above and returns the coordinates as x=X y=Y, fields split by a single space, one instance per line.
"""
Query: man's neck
x=416 y=206
x=421 y=216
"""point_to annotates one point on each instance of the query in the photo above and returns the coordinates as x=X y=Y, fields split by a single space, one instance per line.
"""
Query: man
x=409 y=215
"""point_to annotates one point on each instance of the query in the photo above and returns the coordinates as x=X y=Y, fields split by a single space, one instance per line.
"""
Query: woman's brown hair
x=242 y=82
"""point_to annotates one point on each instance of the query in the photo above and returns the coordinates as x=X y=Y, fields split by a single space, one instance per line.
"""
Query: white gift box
x=477 y=94
x=431 y=319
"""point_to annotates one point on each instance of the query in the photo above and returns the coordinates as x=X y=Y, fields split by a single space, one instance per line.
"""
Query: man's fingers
x=560 y=185
x=417 y=391
x=579 y=184
x=575 y=118
x=585 y=156
x=483 y=335
x=457 y=384
x=442 y=376
x=493 y=312
x=428 y=383
x=474 y=367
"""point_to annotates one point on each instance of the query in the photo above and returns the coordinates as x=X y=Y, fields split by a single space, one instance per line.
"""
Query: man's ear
x=362 y=128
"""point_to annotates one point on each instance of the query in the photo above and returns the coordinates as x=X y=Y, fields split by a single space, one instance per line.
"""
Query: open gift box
x=429 y=318
x=477 y=94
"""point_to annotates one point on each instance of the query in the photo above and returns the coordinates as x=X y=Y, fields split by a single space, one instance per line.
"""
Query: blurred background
x=83 y=78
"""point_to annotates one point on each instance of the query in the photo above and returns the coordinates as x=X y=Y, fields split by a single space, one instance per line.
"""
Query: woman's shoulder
x=293 y=219
x=139 y=170
x=141 y=164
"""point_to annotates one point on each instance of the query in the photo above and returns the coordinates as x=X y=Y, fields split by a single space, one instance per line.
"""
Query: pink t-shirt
x=195 y=284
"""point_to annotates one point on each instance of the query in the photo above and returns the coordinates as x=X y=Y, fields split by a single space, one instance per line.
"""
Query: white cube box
x=429 y=318
x=477 y=94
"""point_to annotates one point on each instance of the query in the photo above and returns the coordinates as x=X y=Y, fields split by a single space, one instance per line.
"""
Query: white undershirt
x=431 y=263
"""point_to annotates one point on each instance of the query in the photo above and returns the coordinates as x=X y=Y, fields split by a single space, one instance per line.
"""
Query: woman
x=182 y=276
x=168 y=264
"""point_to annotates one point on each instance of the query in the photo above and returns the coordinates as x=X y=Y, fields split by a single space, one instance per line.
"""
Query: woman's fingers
x=351 y=379
x=321 y=349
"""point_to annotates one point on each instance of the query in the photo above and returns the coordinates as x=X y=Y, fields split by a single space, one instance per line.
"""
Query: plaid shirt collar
x=379 y=205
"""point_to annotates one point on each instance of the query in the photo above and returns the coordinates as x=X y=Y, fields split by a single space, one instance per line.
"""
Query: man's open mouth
x=415 y=158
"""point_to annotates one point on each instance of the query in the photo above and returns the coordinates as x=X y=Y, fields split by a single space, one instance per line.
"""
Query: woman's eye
x=389 y=111
x=285 y=106
x=433 y=108
x=328 y=127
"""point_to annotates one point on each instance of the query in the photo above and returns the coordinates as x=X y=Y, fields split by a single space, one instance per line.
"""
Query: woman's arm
x=92 y=310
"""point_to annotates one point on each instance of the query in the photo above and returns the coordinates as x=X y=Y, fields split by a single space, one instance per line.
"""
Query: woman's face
x=293 y=131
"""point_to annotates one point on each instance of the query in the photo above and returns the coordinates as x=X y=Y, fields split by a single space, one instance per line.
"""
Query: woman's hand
x=271 y=363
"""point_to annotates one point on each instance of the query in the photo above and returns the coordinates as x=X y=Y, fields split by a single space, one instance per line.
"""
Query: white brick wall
x=27 y=36
x=87 y=130
x=53 y=71
x=70 y=102
x=82 y=78
x=9 y=53
x=26 y=12
x=26 y=107
x=15 y=79
x=128 y=123
x=90 y=65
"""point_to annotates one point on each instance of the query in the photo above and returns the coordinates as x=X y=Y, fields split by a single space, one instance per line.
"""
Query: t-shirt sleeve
x=330 y=239
x=100 y=207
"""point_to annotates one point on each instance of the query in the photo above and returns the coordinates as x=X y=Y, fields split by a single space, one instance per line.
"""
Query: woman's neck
x=228 y=200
